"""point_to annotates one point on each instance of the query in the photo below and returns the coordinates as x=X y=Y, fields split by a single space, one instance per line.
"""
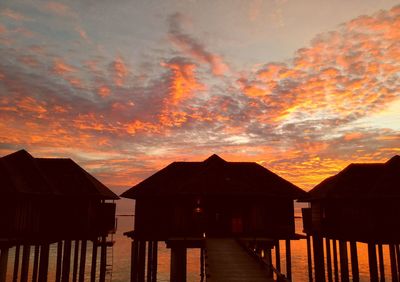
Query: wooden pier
x=226 y=260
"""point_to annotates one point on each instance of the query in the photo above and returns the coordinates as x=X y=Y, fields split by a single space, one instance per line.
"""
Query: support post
x=59 y=261
x=335 y=261
x=288 y=261
x=155 y=261
x=66 y=264
x=75 y=264
x=354 y=261
x=149 y=260
x=82 y=262
x=94 y=261
x=277 y=256
x=25 y=263
x=16 y=263
x=318 y=249
x=328 y=259
x=344 y=261
x=35 y=263
x=142 y=261
x=397 y=249
x=3 y=263
x=393 y=263
x=202 y=264
x=103 y=259
x=44 y=262
x=178 y=264
x=309 y=259
x=373 y=264
x=381 y=263
x=134 y=260
x=268 y=257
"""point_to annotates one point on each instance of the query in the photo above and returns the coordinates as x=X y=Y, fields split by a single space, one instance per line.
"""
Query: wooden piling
x=318 y=249
x=268 y=258
x=44 y=262
x=103 y=259
x=94 y=261
x=277 y=256
x=75 y=263
x=373 y=264
x=66 y=264
x=16 y=263
x=344 y=261
x=3 y=264
x=328 y=259
x=381 y=263
x=335 y=261
x=202 y=269
x=288 y=260
x=59 y=261
x=142 y=261
x=397 y=249
x=354 y=261
x=309 y=259
x=35 y=263
x=134 y=260
x=149 y=260
x=393 y=263
x=25 y=263
x=178 y=264
x=155 y=261
x=82 y=261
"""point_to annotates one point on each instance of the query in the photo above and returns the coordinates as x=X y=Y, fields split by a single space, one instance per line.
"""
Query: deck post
x=288 y=261
x=59 y=261
x=82 y=262
x=44 y=262
x=35 y=263
x=155 y=261
x=381 y=263
x=268 y=256
x=94 y=261
x=16 y=263
x=142 y=261
x=66 y=264
x=25 y=263
x=344 y=261
x=3 y=263
x=397 y=249
x=373 y=264
x=328 y=259
x=318 y=249
x=202 y=264
x=335 y=261
x=178 y=264
x=75 y=264
x=103 y=259
x=277 y=256
x=309 y=259
x=393 y=263
x=149 y=260
x=354 y=261
x=134 y=260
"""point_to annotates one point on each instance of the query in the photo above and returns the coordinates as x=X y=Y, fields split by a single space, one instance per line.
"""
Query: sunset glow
x=126 y=88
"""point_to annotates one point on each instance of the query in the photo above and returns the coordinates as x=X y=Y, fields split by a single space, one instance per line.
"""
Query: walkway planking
x=226 y=261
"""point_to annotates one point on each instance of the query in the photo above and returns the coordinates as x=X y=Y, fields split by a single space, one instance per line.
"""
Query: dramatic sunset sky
x=303 y=87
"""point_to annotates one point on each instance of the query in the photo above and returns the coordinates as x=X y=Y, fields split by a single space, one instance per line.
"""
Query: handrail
x=280 y=277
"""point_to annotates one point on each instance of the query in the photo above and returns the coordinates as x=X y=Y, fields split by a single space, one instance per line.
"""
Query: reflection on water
x=122 y=249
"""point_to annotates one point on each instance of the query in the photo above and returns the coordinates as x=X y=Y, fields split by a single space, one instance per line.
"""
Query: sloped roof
x=22 y=173
x=214 y=177
x=362 y=180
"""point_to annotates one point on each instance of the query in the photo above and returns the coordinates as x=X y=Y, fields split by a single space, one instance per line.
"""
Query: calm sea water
x=122 y=248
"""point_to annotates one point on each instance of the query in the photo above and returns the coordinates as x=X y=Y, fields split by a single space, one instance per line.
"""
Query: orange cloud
x=14 y=15
x=60 y=67
x=120 y=71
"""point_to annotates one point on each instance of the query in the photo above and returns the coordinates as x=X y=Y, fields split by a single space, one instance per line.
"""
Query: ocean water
x=119 y=257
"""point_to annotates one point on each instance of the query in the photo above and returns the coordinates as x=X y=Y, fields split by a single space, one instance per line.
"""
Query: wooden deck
x=227 y=261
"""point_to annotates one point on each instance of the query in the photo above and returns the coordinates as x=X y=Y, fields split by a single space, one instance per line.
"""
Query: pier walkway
x=227 y=261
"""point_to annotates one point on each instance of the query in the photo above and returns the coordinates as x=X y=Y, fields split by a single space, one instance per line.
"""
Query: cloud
x=119 y=71
x=14 y=15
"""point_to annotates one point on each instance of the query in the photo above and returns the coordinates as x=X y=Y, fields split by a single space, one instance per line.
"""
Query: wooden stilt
x=82 y=262
x=393 y=263
x=202 y=270
x=59 y=261
x=35 y=263
x=354 y=261
x=277 y=256
x=94 y=261
x=397 y=249
x=149 y=260
x=103 y=259
x=318 y=249
x=3 y=264
x=155 y=261
x=25 y=263
x=288 y=261
x=66 y=264
x=75 y=264
x=309 y=259
x=44 y=262
x=134 y=260
x=178 y=264
x=335 y=261
x=373 y=264
x=268 y=258
x=142 y=261
x=344 y=261
x=381 y=263
x=328 y=259
x=16 y=263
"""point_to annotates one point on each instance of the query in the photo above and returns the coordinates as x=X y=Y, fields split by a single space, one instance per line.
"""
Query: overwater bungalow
x=188 y=201
x=359 y=204
x=51 y=200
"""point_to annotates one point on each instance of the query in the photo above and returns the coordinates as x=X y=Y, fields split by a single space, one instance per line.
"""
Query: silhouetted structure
x=52 y=200
x=188 y=200
x=359 y=204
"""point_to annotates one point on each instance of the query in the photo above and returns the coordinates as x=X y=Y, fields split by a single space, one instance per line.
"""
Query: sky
x=302 y=87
